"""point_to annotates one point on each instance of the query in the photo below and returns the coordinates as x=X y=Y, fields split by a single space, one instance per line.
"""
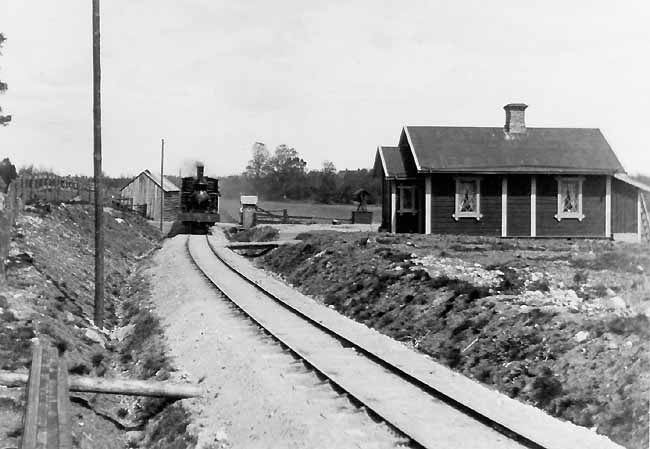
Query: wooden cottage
x=513 y=181
x=144 y=192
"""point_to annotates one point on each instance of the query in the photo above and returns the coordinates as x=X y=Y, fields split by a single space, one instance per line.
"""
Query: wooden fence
x=263 y=216
x=50 y=188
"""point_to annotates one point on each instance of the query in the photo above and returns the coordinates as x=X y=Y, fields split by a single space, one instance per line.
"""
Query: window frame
x=458 y=214
x=401 y=194
x=561 y=214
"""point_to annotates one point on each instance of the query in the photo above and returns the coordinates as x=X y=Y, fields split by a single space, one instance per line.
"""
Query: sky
x=332 y=79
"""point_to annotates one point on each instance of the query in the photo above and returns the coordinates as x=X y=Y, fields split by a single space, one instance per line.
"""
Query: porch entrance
x=409 y=209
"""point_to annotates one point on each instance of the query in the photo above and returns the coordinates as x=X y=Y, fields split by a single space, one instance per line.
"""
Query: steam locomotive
x=199 y=200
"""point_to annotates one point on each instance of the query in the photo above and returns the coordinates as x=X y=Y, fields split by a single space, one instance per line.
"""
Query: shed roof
x=168 y=186
x=473 y=149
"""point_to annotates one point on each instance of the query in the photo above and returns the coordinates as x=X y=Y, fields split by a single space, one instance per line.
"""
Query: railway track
x=426 y=416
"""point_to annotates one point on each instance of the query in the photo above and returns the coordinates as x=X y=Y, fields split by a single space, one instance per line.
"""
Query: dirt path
x=257 y=394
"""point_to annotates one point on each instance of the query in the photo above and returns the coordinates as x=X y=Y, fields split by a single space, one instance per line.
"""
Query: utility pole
x=162 y=188
x=97 y=159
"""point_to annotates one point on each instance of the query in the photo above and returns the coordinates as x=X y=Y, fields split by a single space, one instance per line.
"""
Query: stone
x=221 y=435
x=581 y=336
x=571 y=296
x=120 y=333
x=95 y=336
x=134 y=437
x=617 y=303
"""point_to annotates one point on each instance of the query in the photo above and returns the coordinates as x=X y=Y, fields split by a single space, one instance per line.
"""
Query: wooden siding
x=519 y=205
x=385 y=205
x=593 y=208
x=144 y=191
x=624 y=205
x=443 y=191
x=172 y=205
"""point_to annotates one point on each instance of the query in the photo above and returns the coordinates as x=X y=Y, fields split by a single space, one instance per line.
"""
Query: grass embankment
x=560 y=325
x=229 y=208
x=50 y=296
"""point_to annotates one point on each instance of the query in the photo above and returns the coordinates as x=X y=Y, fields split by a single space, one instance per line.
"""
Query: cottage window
x=468 y=198
x=569 y=198
x=406 y=199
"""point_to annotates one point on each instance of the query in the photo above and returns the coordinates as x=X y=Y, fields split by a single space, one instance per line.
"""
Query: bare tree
x=4 y=119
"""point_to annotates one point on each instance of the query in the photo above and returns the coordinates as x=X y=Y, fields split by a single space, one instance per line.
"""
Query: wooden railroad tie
x=47 y=420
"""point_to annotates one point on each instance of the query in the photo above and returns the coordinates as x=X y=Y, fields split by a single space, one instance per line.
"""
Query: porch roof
x=395 y=162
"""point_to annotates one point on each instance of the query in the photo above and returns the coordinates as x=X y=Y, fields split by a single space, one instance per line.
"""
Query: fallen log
x=128 y=387
x=256 y=245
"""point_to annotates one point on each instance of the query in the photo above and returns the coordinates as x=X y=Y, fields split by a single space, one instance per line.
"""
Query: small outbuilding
x=144 y=193
x=512 y=181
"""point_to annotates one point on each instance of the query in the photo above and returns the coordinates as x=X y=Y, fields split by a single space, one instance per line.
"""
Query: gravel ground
x=257 y=394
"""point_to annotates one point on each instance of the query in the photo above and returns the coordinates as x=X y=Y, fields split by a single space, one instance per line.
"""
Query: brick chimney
x=515 y=118
x=199 y=171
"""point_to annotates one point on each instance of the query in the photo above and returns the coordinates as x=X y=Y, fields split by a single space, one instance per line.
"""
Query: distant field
x=230 y=209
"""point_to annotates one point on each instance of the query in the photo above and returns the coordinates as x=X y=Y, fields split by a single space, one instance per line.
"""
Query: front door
x=409 y=210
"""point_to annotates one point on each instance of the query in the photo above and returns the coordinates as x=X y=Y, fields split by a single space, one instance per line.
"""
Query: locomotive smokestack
x=199 y=171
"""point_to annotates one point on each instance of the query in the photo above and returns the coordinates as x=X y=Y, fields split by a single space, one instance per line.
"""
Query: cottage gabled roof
x=168 y=186
x=395 y=162
x=537 y=150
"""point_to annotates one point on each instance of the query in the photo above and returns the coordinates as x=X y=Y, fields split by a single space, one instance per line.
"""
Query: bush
x=639 y=324
x=541 y=285
x=545 y=387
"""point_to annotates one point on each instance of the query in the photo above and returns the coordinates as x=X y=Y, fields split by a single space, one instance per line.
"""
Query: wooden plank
x=41 y=426
x=30 y=419
x=52 y=437
x=63 y=405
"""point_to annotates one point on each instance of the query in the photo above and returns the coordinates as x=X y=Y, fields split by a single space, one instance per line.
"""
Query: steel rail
x=358 y=402
x=346 y=342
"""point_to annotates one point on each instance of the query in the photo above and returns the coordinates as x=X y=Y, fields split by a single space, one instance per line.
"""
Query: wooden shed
x=512 y=181
x=144 y=191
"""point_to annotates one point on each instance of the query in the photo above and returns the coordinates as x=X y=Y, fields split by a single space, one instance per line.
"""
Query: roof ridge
x=500 y=127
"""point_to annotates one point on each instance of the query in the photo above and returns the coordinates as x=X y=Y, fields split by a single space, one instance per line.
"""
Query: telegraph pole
x=97 y=159
x=162 y=188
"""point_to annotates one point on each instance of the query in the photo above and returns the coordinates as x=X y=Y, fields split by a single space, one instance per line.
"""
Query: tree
x=258 y=167
x=327 y=183
x=287 y=173
x=7 y=172
x=4 y=119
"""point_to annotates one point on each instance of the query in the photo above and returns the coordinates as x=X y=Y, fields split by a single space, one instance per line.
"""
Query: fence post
x=285 y=216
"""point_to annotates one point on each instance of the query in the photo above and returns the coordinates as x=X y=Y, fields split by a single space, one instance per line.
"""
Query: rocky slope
x=562 y=325
x=49 y=295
